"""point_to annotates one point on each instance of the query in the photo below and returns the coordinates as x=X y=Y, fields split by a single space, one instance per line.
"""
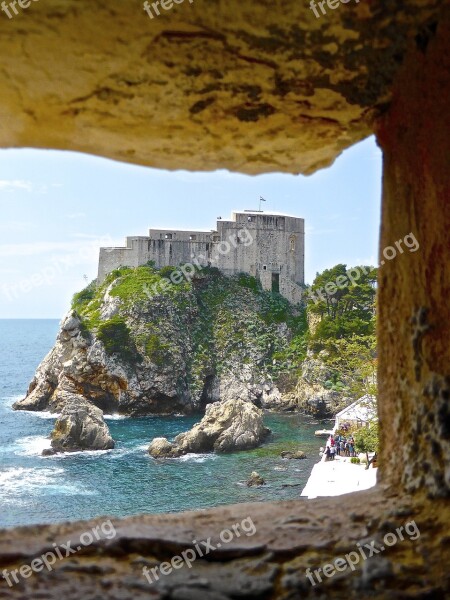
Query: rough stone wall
x=249 y=85
x=258 y=87
x=290 y=537
x=414 y=288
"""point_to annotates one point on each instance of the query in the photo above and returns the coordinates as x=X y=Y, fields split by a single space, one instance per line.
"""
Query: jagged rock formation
x=309 y=394
x=80 y=427
x=226 y=427
x=162 y=448
x=125 y=350
x=298 y=455
x=255 y=480
x=76 y=365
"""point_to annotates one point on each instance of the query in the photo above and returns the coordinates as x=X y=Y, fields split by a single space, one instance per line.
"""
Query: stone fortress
x=268 y=246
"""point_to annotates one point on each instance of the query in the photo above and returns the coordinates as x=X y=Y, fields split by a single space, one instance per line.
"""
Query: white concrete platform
x=337 y=477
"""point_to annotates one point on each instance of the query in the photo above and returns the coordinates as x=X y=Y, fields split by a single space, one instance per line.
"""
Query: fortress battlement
x=268 y=246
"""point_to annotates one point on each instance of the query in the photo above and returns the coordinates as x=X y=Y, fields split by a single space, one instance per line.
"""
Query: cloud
x=9 y=185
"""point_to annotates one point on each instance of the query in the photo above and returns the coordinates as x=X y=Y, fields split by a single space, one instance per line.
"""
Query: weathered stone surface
x=162 y=448
x=75 y=365
x=80 y=427
x=288 y=538
x=245 y=385
x=111 y=102
x=414 y=317
x=248 y=86
x=226 y=427
x=181 y=350
x=298 y=455
x=255 y=480
x=310 y=395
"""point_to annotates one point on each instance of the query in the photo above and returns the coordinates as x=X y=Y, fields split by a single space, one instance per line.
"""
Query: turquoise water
x=125 y=481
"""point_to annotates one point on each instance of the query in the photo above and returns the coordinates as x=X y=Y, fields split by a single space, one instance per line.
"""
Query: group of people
x=340 y=445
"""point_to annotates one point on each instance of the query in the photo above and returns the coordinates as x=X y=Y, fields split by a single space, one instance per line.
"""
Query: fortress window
x=168 y=236
x=192 y=238
x=249 y=219
x=264 y=267
x=292 y=244
x=216 y=238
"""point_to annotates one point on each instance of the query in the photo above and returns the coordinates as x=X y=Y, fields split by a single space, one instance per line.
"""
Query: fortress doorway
x=276 y=282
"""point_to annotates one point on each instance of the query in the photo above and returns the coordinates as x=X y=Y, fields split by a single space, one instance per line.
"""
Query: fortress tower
x=269 y=246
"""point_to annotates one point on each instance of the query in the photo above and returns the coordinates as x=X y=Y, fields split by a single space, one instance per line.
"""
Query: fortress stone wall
x=269 y=246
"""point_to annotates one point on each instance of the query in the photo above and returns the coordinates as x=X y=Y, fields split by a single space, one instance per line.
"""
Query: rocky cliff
x=129 y=349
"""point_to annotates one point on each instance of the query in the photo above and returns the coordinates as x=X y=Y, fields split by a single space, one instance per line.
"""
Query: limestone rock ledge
x=226 y=427
x=289 y=538
x=205 y=85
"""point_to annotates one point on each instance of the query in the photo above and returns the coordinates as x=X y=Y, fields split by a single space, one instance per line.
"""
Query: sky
x=58 y=208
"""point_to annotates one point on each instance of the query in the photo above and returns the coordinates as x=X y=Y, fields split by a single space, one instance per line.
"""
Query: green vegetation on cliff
x=213 y=324
x=342 y=302
x=210 y=324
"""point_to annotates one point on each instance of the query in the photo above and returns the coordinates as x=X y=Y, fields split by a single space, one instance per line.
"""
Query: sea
x=126 y=481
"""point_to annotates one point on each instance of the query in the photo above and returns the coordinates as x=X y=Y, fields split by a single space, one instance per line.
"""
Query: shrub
x=355 y=460
x=85 y=296
x=156 y=350
x=247 y=281
x=366 y=438
x=115 y=336
x=167 y=271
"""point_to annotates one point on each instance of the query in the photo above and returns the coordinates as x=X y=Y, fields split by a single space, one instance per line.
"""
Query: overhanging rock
x=248 y=86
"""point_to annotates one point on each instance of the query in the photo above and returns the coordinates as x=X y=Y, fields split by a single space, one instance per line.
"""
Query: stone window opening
x=414 y=377
x=168 y=236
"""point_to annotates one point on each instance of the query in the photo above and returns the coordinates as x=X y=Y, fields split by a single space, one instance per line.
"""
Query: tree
x=367 y=440
x=345 y=301
x=353 y=361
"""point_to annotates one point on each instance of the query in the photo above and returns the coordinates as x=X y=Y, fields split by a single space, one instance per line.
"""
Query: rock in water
x=162 y=448
x=80 y=427
x=255 y=480
x=226 y=427
x=298 y=455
